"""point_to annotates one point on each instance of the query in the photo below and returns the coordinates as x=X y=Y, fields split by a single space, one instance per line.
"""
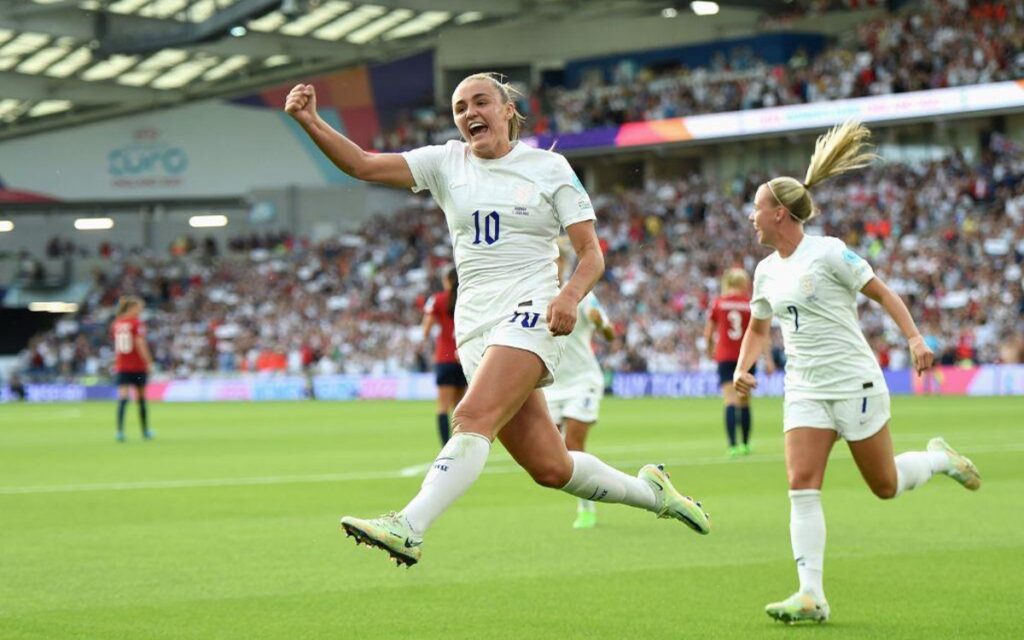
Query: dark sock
x=745 y=424
x=142 y=414
x=442 y=427
x=730 y=424
x=120 y=414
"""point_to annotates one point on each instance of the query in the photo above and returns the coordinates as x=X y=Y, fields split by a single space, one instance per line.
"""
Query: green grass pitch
x=225 y=527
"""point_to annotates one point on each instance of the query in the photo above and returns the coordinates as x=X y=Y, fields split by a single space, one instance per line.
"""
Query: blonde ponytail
x=844 y=148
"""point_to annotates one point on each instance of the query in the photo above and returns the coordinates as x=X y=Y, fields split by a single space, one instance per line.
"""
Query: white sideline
x=413 y=471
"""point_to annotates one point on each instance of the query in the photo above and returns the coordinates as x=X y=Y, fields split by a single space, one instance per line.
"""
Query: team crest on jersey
x=522 y=193
x=807 y=286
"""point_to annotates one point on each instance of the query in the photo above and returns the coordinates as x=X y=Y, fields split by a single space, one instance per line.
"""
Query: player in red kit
x=451 y=381
x=131 y=360
x=730 y=315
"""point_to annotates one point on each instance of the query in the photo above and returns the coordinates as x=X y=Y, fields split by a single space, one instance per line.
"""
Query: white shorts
x=581 y=403
x=852 y=418
x=529 y=333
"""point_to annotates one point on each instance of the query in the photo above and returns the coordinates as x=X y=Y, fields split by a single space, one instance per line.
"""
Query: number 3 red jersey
x=127 y=358
x=731 y=314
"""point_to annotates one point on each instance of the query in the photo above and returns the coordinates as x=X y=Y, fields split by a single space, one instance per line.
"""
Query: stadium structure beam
x=502 y=8
x=24 y=86
x=81 y=26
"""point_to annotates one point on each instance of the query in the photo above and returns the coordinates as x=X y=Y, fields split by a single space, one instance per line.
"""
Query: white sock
x=585 y=505
x=914 y=468
x=594 y=480
x=456 y=468
x=807 y=533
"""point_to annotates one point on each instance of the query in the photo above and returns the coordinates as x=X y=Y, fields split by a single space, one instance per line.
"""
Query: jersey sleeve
x=760 y=307
x=425 y=164
x=851 y=270
x=428 y=306
x=571 y=201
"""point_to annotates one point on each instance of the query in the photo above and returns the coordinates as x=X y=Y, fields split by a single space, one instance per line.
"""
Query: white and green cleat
x=961 y=468
x=799 y=607
x=671 y=503
x=390 y=532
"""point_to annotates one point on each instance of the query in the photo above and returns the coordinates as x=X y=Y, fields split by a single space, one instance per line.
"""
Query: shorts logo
x=526 y=318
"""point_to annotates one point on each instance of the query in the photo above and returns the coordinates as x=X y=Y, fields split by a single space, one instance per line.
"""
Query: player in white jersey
x=574 y=399
x=505 y=204
x=833 y=386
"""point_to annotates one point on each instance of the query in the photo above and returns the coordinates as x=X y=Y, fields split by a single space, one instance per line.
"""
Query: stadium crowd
x=948 y=235
x=931 y=44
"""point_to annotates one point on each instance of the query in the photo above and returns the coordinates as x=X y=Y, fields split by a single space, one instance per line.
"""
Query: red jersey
x=732 y=315
x=127 y=358
x=437 y=306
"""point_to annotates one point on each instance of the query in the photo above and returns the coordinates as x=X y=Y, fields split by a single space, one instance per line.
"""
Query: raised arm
x=758 y=335
x=920 y=354
x=383 y=168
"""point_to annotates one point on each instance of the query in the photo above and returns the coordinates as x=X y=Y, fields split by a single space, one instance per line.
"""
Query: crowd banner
x=986 y=380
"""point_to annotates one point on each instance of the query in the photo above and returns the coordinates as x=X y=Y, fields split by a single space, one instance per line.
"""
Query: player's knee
x=468 y=419
x=551 y=475
x=885 y=490
x=803 y=479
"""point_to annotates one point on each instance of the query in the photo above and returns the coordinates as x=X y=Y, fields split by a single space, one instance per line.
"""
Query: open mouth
x=476 y=129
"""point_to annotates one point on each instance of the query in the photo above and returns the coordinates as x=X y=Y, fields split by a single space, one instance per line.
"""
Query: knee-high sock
x=594 y=480
x=142 y=414
x=730 y=424
x=121 y=403
x=914 y=468
x=442 y=427
x=807 y=533
x=456 y=468
x=745 y=424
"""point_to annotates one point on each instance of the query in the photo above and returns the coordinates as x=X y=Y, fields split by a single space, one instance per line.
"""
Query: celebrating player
x=132 y=361
x=730 y=314
x=834 y=386
x=574 y=398
x=505 y=203
x=451 y=381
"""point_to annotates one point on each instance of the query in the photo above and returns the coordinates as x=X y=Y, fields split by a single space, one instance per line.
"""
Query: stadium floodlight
x=208 y=221
x=53 y=307
x=94 y=224
x=703 y=8
x=6 y=225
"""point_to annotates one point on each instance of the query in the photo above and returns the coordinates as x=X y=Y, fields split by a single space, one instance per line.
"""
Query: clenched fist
x=301 y=103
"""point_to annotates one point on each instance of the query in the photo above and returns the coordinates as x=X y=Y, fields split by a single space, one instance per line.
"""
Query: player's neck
x=787 y=246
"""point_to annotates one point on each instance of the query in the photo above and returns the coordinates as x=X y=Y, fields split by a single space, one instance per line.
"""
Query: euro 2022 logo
x=147 y=161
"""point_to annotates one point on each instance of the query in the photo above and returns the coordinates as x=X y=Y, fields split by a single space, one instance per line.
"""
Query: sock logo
x=598 y=495
x=439 y=466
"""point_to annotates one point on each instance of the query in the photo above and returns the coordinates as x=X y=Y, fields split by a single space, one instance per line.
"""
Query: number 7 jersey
x=813 y=294
x=504 y=216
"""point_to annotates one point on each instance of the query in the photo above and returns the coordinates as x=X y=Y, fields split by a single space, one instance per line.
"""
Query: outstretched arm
x=383 y=168
x=920 y=354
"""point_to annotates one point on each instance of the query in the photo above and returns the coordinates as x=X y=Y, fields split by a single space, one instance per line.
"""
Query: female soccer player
x=574 y=399
x=730 y=315
x=834 y=386
x=505 y=204
x=451 y=381
x=132 y=360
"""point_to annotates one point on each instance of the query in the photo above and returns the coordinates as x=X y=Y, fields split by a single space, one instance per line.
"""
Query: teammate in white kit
x=574 y=399
x=834 y=386
x=505 y=204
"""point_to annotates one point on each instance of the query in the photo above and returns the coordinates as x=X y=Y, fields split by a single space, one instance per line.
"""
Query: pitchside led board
x=219 y=149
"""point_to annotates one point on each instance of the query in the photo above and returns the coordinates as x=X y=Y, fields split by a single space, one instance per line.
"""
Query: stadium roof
x=69 y=61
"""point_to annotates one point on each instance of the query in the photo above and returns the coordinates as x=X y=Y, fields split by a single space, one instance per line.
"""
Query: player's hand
x=608 y=331
x=561 y=315
x=301 y=103
x=922 y=357
x=744 y=384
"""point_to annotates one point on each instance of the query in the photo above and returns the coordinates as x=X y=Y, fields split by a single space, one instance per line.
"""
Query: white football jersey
x=813 y=293
x=579 y=366
x=504 y=225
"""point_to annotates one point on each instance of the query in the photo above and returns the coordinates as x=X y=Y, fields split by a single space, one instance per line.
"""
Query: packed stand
x=931 y=44
x=947 y=235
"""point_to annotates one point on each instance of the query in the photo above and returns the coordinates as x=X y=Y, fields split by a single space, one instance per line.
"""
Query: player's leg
x=122 y=402
x=533 y=441
x=140 y=397
x=445 y=404
x=731 y=403
x=743 y=409
x=575 y=432
x=807 y=451
x=504 y=379
x=887 y=475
